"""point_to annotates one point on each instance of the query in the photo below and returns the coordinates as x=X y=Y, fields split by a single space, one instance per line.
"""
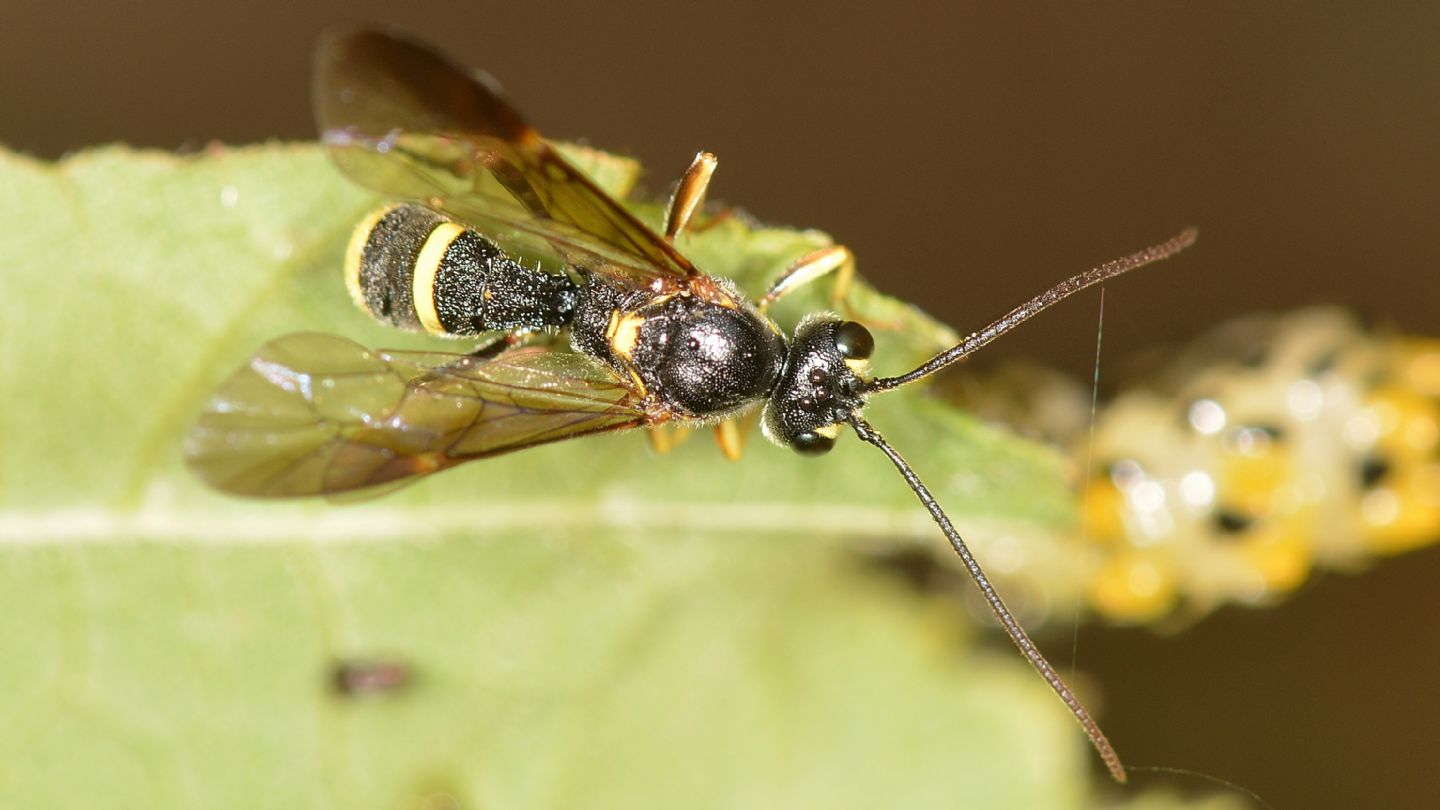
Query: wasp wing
x=316 y=414
x=401 y=119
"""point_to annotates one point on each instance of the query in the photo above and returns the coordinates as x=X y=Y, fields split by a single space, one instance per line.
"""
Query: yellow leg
x=835 y=259
x=666 y=437
x=731 y=434
x=689 y=194
x=727 y=435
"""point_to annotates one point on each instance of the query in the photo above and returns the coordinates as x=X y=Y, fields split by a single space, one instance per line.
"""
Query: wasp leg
x=727 y=435
x=666 y=437
x=689 y=194
x=835 y=259
x=731 y=433
x=713 y=219
x=490 y=350
x=497 y=346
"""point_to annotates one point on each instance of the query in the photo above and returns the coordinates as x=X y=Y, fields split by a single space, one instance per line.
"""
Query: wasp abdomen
x=413 y=268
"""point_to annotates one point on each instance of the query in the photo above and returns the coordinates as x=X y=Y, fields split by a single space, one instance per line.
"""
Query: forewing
x=316 y=414
x=401 y=119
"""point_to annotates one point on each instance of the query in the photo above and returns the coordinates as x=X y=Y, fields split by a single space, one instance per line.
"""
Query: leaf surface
x=585 y=624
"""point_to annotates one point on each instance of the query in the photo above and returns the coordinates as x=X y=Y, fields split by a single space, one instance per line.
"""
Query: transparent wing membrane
x=315 y=414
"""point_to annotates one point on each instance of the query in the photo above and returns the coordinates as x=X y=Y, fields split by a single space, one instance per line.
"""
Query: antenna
x=997 y=605
x=1014 y=318
x=1030 y=308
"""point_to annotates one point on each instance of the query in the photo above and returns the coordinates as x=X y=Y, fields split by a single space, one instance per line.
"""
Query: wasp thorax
x=820 y=386
x=708 y=359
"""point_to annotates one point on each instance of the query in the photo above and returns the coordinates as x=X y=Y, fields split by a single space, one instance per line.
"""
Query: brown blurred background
x=971 y=154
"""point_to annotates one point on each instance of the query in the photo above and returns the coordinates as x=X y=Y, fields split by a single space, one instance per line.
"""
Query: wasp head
x=820 y=386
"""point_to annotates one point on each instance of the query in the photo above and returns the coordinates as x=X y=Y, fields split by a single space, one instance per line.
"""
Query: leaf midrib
x=162 y=524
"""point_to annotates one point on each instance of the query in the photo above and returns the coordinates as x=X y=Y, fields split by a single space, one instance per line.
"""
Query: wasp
x=652 y=339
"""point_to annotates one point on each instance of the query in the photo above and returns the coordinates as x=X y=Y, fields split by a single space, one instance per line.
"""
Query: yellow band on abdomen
x=355 y=255
x=427 y=267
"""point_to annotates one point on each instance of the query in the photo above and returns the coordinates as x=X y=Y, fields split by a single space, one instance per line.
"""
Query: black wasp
x=652 y=339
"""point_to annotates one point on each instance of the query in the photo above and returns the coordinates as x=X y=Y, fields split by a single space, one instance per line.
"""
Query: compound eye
x=853 y=341
x=811 y=443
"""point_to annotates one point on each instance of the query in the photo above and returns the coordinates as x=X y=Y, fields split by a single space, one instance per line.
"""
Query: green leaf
x=588 y=625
